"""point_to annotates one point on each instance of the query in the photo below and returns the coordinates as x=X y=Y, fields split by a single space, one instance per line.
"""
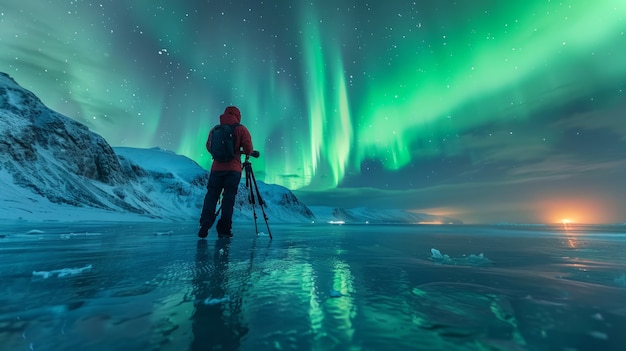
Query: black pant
x=218 y=181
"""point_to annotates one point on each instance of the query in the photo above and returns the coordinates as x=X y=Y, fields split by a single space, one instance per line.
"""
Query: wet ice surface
x=314 y=287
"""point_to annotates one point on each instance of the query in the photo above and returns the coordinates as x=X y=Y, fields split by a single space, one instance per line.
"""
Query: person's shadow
x=216 y=321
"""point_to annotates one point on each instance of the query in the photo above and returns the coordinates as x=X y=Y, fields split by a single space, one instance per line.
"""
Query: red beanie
x=232 y=110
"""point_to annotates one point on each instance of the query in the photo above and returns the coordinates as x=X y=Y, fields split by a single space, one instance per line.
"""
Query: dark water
x=314 y=287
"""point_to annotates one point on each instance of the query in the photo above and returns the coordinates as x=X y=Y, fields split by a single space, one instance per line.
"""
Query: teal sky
x=485 y=110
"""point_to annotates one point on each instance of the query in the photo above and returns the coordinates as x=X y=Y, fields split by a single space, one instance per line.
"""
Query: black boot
x=204 y=228
x=224 y=228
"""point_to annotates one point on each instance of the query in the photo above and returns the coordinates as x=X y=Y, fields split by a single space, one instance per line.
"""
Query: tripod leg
x=251 y=200
x=261 y=203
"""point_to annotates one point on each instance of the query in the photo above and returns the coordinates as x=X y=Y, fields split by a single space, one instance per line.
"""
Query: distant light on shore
x=337 y=222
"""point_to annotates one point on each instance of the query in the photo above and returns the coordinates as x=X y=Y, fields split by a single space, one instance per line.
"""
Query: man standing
x=225 y=177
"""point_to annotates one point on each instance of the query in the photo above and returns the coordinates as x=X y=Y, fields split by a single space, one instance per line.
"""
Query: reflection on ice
x=335 y=293
x=42 y=312
x=339 y=288
x=465 y=311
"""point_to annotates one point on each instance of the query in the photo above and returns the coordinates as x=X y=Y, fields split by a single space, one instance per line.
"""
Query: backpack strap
x=231 y=126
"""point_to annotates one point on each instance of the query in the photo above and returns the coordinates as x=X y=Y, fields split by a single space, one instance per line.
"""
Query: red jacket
x=243 y=144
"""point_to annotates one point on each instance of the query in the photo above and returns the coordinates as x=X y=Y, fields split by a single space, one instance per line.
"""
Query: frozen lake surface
x=314 y=287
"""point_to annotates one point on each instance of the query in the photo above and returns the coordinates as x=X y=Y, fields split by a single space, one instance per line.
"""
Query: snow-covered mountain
x=180 y=183
x=54 y=168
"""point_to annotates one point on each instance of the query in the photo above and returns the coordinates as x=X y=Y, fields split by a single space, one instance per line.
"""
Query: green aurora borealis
x=424 y=105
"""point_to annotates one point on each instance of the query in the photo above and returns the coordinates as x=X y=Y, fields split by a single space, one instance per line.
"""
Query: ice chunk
x=599 y=335
x=478 y=259
x=62 y=272
x=211 y=301
x=471 y=260
x=73 y=271
x=437 y=256
x=43 y=274
x=35 y=231
x=71 y=235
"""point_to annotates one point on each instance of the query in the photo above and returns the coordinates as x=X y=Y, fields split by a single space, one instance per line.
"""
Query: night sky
x=484 y=110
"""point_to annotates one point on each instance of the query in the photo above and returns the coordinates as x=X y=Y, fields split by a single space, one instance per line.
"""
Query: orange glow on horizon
x=570 y=211
x=570 y=218
x=555 y=209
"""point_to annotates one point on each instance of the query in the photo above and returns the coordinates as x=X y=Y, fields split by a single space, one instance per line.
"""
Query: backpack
x=223 y=142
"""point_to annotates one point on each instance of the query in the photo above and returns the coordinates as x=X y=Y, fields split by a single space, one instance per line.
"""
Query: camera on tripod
x=255 y=154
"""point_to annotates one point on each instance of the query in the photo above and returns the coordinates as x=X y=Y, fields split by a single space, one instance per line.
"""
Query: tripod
x=253 y=188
